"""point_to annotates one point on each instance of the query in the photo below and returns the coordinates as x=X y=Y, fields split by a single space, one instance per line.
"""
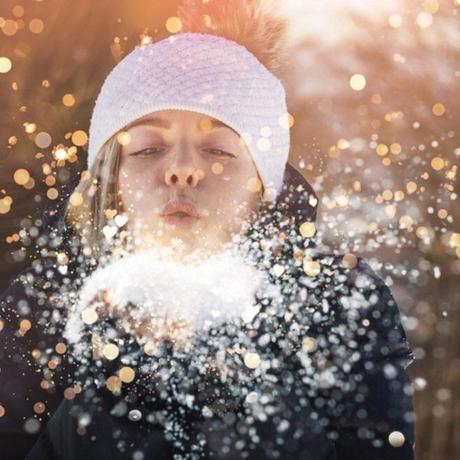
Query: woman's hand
x=146 y=327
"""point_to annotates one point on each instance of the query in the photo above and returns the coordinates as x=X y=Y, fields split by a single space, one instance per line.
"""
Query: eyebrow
x=165 y=124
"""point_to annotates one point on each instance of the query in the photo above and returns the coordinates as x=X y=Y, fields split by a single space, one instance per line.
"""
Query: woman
x=189 y=141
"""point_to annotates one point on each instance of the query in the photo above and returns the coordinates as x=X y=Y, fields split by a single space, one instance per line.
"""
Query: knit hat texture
x=204 y=73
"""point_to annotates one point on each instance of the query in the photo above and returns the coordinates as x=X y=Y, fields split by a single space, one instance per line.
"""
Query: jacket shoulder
x=34 y=284
x=364 y=302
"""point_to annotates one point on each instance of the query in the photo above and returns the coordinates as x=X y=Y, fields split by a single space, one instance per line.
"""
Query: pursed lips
x=180 y=211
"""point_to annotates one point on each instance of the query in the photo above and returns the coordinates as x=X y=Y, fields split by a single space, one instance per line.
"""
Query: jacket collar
x=297 y=198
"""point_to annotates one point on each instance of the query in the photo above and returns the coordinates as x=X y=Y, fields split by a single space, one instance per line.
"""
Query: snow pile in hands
x=220 y=288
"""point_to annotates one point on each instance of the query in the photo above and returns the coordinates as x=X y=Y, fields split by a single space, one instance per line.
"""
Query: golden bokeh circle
x=68 y=100
x=42 y=140
x=357 y=82
x=21 y=176
x=5 y=64
x=79 y=138
x=127 y=374
x=307 y=229
x=52 y=193
x=349 y=260
x=173 y=25
x=251 y=360
x=36 y=26
x=110 y=351
x=438 y=109
x=437 y=163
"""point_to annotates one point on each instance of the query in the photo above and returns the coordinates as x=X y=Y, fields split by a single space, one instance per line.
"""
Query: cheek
x=137 y=189
x=231 y=177
x=234 y=194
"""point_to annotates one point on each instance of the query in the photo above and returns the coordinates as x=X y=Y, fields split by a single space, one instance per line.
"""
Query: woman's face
x=186 y=178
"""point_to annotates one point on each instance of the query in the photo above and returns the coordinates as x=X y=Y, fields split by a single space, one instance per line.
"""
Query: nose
x=183 y=175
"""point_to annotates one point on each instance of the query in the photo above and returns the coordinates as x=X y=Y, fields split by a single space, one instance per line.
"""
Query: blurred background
x=374 y=90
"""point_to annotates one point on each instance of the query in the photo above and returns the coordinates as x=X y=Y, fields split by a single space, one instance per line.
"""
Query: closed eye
x=149 y=151
x=220 y=153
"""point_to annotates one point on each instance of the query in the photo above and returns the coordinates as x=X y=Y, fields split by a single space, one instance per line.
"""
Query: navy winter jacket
x=40 y=423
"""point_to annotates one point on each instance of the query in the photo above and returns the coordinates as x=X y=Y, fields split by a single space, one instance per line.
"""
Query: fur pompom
x=246 y=22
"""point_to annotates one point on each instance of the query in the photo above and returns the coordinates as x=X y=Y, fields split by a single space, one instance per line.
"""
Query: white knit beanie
x=204 y=73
